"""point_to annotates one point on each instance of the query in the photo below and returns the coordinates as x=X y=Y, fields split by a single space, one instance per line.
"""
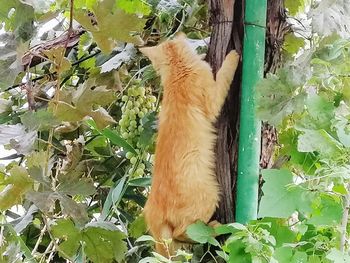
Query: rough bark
x=227 y=32
x=226 y=19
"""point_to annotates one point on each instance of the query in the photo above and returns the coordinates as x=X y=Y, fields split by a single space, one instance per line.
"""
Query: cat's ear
x=152 y=53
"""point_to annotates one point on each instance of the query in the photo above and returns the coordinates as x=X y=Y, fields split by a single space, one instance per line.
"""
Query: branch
x=53 y=74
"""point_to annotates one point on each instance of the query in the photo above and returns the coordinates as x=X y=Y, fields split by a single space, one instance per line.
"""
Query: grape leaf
x=40 y=120
x=104 y=33
x=292 y=43
x=73 y=209
x=326 y=210
x=331 y=16
x=342 y=124
x=138 y=227
x=66 y=231
x=134 y=6
x=101 y=118
x=295 y=6
x=277 y=98
x=81 y=186
x=102 y=246
x=319 y=141
x=17 y=137
x=17 y=184
x=279 y=200
x=202 y=233
x=43 y=200
x=10 y=59
x=84 y=98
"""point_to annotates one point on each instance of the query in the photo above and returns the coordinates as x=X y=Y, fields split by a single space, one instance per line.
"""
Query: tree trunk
x=226 y=19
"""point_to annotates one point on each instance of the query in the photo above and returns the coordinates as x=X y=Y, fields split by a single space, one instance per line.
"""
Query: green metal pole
x=250 y=126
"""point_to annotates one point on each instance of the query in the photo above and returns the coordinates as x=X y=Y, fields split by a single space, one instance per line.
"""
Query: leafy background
x=78 y=108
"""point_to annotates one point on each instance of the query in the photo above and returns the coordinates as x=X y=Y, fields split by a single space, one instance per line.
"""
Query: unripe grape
x=141 y=91
x=129 y=105
x=141 y=114
x=125 y=98
x=133 y=160
x=139 y=171
x=152 y=99
x=129 y=155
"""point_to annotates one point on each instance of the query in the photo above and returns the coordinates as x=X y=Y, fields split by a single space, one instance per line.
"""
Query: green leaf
x=65 y=230
x=342 y=124
x=104 y=33
x=321 y=110
x=101 y=118
x=138 y=227
x=279 y=230
x=39 y=120
x=202 y=233
x=102 y=246
x=331 y=16
x=10 y=65
x=36 y=159
x=145 y=238
x=117 y=192
x=288 y=140
x=295 y=6
x=237 y=253
x=17 y=184
x=43 y=200
x=113 y=198
x=116 y=139
x=327 y=210
x=277 y=98
x=66 y=112
x=279 y=200
x=337 y=256
x=319 y=141
x=81 y=186
x=292 y=43
x=140 y=182
x=71 y=208
x=134 y=6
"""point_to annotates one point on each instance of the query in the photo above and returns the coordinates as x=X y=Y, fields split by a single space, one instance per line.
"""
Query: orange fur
x=184 y=187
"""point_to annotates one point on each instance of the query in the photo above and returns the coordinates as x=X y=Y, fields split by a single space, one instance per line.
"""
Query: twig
x=40 y=238
x=344 y=221
x=53 y=74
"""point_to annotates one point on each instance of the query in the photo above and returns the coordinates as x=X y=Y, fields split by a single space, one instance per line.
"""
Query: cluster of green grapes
x=138 y=102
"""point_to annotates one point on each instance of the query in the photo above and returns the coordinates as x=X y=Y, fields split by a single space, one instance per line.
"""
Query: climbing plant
x=78 y=107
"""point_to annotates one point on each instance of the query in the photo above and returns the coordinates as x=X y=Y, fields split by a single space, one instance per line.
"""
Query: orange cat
x=184 y=187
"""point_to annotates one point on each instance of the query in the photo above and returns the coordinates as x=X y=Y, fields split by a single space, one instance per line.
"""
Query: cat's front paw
x=233 y=57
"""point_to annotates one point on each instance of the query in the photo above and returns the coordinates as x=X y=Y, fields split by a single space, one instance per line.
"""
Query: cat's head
x=165 y=53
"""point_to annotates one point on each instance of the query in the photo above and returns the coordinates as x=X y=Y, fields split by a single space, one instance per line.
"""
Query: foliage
x=78 y=108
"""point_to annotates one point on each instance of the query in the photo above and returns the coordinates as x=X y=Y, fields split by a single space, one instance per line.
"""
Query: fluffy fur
x=184 y=187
